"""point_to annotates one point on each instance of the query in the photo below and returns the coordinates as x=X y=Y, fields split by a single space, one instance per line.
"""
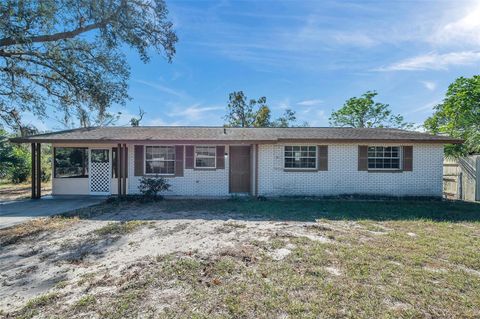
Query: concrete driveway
x=15 y=212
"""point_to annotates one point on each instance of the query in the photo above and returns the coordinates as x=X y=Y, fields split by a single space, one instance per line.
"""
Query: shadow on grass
x=285 y=209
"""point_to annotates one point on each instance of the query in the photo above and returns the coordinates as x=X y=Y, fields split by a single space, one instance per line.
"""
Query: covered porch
x=104 y=170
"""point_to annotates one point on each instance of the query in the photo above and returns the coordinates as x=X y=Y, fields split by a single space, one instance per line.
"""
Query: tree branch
x=53 y=37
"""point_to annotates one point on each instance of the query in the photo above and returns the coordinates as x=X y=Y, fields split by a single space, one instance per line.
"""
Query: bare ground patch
x=131 y=260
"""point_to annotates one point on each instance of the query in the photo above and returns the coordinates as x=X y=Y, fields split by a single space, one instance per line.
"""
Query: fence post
x=477 y=179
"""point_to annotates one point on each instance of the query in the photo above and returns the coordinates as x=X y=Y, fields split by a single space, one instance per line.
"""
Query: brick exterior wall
x=343 y=177
x=193 y=183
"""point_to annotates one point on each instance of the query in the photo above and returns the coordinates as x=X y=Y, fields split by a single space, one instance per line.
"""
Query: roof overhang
x=229 y=142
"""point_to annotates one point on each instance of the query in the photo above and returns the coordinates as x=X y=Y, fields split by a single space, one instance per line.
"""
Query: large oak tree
x=68 y=56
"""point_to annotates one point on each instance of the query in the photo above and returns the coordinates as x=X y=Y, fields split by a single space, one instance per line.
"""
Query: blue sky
x=309 y=56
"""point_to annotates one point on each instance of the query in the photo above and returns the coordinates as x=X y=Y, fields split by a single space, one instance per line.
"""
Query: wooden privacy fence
x=461 y=178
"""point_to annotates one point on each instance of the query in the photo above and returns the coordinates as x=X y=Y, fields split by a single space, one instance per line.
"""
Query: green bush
x=15 y=164
x=19 y=171
x=46 y=163
x=151 y=186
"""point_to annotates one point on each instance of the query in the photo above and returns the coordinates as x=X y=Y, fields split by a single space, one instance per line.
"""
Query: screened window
x=383 y=157
x=301 y=157
x=205 y=156
x=70 y=162
x=160 y=160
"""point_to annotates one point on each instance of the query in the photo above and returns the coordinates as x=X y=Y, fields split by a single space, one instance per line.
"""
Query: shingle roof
x=231 y=135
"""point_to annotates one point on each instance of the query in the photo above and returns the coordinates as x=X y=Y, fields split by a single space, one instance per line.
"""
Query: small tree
x=365 y=112
x=151 y=186
x=135 y=121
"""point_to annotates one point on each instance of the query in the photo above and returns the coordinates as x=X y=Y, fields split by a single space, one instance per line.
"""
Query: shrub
x=19 y=172
x=151 y=186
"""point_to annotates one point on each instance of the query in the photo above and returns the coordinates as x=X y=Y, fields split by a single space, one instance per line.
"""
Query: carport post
x=34 y=175
x=39 y=170
x=119 y=169
x=124 y=171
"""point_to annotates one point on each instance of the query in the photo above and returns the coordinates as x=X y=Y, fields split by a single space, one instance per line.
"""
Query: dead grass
x=359 y=275
x=12 y=235
x=121 y=228
x=34 y=306
x=369 y=268
x=9 y=191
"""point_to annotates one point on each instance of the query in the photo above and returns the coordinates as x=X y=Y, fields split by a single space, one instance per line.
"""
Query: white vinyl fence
x=461 y=178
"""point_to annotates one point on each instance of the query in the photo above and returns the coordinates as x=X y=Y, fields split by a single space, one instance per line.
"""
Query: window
x=303 y=157
x=70 y=162
x=160 y=160
x=205 y=156
x=383 y=157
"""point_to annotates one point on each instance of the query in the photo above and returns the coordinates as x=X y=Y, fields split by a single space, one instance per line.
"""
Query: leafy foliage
x=241 y=113
x=459 y=116
x=15 y=164
x=365 y=112
x=151 y=186
x=68 y=55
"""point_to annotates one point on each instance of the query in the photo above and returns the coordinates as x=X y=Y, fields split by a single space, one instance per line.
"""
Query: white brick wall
x=193 y=183
x=343 y=177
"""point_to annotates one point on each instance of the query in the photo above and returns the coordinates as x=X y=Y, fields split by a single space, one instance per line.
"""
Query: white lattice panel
x=100 y=177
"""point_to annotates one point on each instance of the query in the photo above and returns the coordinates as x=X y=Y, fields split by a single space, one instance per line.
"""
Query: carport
x=16 y=212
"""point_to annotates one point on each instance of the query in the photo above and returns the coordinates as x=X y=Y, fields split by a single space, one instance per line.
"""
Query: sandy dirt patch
x=110 y=243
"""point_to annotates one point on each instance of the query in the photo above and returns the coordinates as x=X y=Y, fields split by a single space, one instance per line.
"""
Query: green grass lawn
x=312 y=209
x=382 y=259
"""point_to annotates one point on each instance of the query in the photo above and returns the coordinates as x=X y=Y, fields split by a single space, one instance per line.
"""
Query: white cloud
x=434 y=61
x=313 y=116
x=284 y=104
x=310 y=102
x=429 y=85
x=162 y=88
x=156 y=122
x=195 y=112
x=424 y=108
x=357 y=39
x=465 y=30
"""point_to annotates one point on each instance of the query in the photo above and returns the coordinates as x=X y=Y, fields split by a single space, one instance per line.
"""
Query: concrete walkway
x=15 y=212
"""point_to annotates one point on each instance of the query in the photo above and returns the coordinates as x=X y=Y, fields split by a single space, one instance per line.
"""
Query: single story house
x=218 y=161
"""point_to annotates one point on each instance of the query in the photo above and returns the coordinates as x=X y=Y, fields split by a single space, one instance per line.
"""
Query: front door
x=239 y=169
x=100 y=164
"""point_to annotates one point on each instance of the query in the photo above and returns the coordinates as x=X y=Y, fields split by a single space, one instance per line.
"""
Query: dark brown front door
x=239 y=169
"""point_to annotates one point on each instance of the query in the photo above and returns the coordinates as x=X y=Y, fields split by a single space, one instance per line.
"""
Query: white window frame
x=145 y=161
x=195 y=157
x=400 y=157
x=300 y=168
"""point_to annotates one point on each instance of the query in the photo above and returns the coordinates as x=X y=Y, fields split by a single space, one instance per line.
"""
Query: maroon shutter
x=362 y=157
x=138 y=160
x=189 y=156
x=178 y=160
x=322 y=157
x=408 y=158
x=221 y=157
